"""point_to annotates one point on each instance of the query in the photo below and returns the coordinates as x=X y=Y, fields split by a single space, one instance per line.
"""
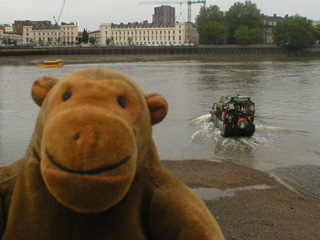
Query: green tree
x=210 y=22
x=256 y=35
x=317 y=30
x=245 y=36
x=295 y=33
x=214 y=33
x=130 y=40
x=85 y=36
x=211 y=13
x=246 y=14
x=108 y=41
x=79 y=39
x=241 y=35
x=92 y=40
x=50 y=41
x=41 y=42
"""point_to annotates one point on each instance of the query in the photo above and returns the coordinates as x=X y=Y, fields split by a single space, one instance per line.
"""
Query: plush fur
x=92 y=170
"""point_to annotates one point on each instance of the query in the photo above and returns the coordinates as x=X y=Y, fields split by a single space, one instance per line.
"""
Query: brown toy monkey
x=92 y=170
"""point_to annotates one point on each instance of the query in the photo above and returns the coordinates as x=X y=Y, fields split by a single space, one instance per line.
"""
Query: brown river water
x=286 y=92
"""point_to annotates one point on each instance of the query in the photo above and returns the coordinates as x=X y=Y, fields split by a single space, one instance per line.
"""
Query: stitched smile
x=87 y=172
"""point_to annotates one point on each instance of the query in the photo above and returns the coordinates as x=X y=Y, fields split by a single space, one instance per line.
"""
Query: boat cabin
x=234 y=115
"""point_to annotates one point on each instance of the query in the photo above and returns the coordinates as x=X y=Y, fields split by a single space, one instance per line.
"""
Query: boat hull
x=49 y=66
x=232 y=129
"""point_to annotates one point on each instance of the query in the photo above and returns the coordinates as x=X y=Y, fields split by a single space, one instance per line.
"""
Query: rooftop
x=40 y=27
x=144 y=24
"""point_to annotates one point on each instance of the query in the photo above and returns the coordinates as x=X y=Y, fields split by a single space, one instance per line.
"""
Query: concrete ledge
x=149 y=50
x=258 y=208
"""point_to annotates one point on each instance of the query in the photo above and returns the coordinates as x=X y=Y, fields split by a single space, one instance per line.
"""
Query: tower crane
x=177 y=2
x=59 y=16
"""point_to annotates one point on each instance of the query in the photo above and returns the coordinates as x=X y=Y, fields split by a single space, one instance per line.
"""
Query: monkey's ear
x=158 y=107
x=41 y=87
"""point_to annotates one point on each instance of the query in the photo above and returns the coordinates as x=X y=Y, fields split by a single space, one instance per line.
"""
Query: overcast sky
x=90 y=14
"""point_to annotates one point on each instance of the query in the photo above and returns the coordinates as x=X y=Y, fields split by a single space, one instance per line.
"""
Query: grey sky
x=90 y=14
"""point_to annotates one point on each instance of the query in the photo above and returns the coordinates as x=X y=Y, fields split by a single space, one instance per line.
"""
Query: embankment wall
x=145 y=50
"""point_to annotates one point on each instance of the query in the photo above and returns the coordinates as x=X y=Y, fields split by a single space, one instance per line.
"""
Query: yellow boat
x=54 y=63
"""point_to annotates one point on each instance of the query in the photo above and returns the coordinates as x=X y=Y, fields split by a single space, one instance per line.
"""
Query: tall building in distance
x=164 y=15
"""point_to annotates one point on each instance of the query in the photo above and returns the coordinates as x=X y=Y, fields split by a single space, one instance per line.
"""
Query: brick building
x=164 y=15
x=18 y=25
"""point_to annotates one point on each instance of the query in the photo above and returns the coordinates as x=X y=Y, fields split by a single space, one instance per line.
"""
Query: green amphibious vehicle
x=234 y=116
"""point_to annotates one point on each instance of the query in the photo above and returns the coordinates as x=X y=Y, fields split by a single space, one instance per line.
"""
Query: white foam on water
x=269 y=128
x=207 y=131
x=216 y=193
x=200 y=120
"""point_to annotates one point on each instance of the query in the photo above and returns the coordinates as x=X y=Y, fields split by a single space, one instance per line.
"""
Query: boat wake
x=207 y=131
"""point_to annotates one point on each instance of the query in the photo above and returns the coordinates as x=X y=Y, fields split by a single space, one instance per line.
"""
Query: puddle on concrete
x=216 y=193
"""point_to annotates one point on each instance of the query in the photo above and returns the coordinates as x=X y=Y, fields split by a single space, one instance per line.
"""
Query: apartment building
x=64 y=34
x=18 y=25
x=6 y=28
x=11 y=38
x=269 y=23
x=164 y=15
x=148 y=34
x=96 y=35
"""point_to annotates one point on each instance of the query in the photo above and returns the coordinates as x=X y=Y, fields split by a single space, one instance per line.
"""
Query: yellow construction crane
x=177 y=2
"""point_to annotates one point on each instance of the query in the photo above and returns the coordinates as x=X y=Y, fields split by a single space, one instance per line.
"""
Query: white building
x=6 y=28
x=148 y=34
x=11 y=38
x=269 y=23
x=65 y=34
x=96 y=35
x=315 y=23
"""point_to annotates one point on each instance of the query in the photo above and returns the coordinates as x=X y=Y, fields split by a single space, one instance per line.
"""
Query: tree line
x=243 y=24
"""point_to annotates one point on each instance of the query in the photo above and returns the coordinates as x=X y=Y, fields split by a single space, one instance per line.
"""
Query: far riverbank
x=212 y=50
x=92 y=59
x=219 y=50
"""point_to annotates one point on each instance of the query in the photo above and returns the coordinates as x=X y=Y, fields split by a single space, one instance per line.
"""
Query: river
x=286 y=92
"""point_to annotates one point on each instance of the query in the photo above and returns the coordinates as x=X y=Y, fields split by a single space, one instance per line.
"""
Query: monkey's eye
x=67 y=95
x=122 y=102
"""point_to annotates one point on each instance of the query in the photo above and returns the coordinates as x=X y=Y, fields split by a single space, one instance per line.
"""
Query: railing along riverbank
x=145 y=50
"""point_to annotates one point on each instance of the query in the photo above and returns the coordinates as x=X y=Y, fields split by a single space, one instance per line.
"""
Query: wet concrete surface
x=249 y=204
x=305 y=178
